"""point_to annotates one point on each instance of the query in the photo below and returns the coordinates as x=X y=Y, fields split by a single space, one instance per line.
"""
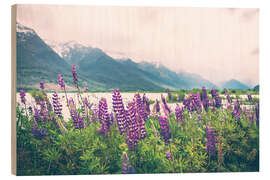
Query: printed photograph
x=136 y=90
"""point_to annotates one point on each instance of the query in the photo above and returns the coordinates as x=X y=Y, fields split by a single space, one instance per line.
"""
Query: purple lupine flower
x=237 y=110
x=168 y=155
x=61 y=81
x=119 y=110
x=57 y=107
x=144 y=99
x=147 y=106
x=210 y=140
x=257 y=113
x=249 y=97
x=229 y=99
x=179 y=114
x=165 y=129
x=37 y=114
x=126 y=166
x=157 y=106
x=41 y=85
x=76 y=116
x=104 y=116
x=169 y=94
x=43 y=111
x=205 y=99
x=133 y=129
x=215 y=95
x=74 y=74
x=22 y=95
x=38 y=134
x=141 y=115
x=196 y=102
x=86 y=102
x=165 y=104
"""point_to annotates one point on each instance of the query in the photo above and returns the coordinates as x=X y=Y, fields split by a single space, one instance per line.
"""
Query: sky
x=217 y=43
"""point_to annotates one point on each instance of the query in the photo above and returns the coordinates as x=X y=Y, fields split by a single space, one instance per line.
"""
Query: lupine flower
x=61 y=81
x=257 y=113
x=22 y=95
x=196 y=102
x=168 y=155
x=165 y=104
x=119 y=110
x=38 y=134
x=86 y=102
x=169 y=94
x=179 y=114
x=157 y=106
x=144 y=99
x=104 y=116
x=215 y=95
x=229 y=106
x=237 y=110
x=165 y=129
x=210 y=140
x=141 y=115
x=126 y=166
x=249 y=97
x=186 y=102
x=205 y=99
x=147 y=105
x=76 y=117
x=56 y=105
x=37 y=114
x=43 y=111
x=74 y=74
x=133 y=127
x=41 y=85
x=229 y=99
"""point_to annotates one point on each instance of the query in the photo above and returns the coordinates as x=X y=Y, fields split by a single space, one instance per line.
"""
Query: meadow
x=118 y=132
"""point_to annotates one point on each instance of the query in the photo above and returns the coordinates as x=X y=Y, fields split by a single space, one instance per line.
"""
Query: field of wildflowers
x=201 y=134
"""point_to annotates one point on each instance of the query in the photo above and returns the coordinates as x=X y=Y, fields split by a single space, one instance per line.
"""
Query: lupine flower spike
x=210 y=140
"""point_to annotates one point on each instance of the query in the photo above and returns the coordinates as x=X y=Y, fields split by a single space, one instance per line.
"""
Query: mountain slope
x=37 y=62
x=235 y=84
x=114 y=74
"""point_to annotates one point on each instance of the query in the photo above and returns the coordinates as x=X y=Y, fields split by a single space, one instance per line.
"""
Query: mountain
x=256 y=88
x=171 y=79
x=36 y=61
x=39 y=60
x=235 y=84
x=98 y=65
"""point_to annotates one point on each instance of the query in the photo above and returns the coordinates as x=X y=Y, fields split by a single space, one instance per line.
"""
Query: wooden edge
x=13 y=90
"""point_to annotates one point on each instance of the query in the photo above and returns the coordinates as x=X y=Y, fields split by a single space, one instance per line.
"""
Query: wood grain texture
x=13 y=89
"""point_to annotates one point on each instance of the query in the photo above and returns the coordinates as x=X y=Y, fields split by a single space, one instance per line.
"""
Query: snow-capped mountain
x=63 y=48
x=24 y=32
